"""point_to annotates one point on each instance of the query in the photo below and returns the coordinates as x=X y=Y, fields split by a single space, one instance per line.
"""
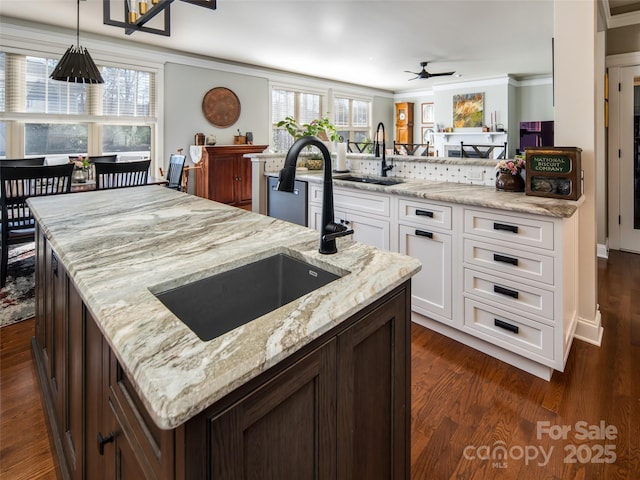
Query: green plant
x=320 y=127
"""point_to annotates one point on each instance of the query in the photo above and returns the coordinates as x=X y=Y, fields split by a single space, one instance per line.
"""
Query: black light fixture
x=76 y=65
x=136 y=17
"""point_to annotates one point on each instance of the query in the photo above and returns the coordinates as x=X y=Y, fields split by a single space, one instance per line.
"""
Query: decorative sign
x=553 y=172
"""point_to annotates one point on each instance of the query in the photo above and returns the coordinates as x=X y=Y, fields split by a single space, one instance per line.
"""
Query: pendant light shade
x=76 y=65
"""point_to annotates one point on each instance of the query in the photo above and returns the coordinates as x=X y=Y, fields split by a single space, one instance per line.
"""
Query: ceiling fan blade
x=441 y=74
x=415 y=73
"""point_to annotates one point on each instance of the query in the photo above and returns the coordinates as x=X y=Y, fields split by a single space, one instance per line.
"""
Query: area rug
x=17 y=298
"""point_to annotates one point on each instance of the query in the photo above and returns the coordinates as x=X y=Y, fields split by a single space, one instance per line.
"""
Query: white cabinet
x=520 y=283
x=368 y=214
x=424 y=231
x=502 y=282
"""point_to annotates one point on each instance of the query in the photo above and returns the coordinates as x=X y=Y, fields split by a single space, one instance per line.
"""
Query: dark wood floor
x=466 y=406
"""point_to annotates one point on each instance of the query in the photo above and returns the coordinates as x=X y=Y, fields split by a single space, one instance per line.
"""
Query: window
x=45 y=95
x=303 y=106
x=126 y=138
x=126 y=92
x=54 y=139
x=60 y=118
x=352 y=118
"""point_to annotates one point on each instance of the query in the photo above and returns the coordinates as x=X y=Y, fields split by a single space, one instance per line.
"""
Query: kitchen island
x=129 y=388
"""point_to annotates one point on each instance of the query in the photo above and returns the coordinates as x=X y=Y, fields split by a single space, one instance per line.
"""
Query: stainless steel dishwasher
x=288 y=206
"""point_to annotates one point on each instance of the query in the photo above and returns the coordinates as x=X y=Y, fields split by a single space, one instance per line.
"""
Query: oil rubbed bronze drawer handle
x=505 y=325
x=424 y=213
x=505 y=291
x=503 y=226
x=504 y=259
x=422 y=233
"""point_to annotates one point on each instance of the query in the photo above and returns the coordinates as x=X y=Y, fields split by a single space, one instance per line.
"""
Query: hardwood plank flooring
x=25 y=451
x=468 y=406
x=465 y=405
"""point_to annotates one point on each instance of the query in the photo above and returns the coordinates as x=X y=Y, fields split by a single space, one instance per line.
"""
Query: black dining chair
x=22 y=162
x=17 y=184
x=121 y=174
x=174 y=174
x=103 y=158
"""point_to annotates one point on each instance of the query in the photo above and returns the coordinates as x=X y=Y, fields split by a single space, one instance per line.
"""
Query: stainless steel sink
x=218 y=304
x=372 y=180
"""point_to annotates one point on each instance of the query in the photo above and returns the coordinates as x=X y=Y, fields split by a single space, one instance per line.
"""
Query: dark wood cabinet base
x=337 y=408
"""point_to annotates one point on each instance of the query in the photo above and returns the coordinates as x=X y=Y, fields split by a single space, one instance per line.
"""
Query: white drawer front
x=425 y=214
x=511 y=261
x=517 y=230
x=518 y=334
x=512 y=294
x=354 y=200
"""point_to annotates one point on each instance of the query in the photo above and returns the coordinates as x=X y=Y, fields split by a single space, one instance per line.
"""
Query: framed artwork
x=468 y=110
x=427 y=135
x=428 y=116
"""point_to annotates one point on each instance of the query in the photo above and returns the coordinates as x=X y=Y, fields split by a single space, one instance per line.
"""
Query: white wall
x=184 y=88
x=575 y=125
x=513 y=101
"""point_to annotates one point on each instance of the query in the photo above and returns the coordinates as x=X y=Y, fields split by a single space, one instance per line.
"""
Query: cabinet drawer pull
x=505 y=291
x=424 y=213
x=504 y=259
x=102 y=441
x=505 y=325
x=422 y=233
x=503 y=226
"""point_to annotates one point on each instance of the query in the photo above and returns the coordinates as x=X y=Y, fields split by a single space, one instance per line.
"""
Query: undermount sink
x=374 y=181
x=218 y=304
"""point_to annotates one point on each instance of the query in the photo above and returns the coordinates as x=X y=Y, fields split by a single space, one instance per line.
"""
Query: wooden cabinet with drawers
x=224 y=174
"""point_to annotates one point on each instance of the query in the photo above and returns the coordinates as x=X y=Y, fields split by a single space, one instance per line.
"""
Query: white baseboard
x=590 y=331
x=603 y=250
x=530 y=366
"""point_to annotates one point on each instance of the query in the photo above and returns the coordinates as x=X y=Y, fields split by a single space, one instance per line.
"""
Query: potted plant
x=320 y=127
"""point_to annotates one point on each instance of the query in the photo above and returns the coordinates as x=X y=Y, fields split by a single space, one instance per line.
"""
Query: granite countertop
x=120 y=245
x=461 y=193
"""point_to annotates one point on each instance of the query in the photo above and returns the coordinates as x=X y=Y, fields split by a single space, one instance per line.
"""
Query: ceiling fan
x=423 y=74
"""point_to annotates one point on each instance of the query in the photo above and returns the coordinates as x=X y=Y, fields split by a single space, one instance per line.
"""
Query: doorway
x=624 y=138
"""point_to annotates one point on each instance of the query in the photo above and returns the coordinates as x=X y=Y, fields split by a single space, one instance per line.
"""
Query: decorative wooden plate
x=221 y=107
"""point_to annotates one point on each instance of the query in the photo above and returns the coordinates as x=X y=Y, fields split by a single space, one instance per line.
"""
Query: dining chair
x=469 y=150
x=17 y=184
x=103 y=158
x=174 y=174
x=23 y=162
x=121 y=174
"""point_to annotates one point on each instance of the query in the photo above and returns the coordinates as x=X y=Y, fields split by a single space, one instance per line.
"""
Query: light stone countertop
x=461 y=193
x=120 y=245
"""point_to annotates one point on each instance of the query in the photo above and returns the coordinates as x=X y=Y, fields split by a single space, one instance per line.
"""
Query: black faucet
x=329 y=230
x=384 y=168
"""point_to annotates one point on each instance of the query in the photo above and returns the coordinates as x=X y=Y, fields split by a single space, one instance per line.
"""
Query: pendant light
x=76 y=65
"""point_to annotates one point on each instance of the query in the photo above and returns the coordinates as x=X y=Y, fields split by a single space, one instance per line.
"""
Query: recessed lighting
x=458 y=75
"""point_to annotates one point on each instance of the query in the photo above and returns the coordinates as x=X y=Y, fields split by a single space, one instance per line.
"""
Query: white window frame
x=297 y=89
x=15 y=132
x=368 y=129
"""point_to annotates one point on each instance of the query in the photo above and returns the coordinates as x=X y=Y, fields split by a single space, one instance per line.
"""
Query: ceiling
x=362 y=42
